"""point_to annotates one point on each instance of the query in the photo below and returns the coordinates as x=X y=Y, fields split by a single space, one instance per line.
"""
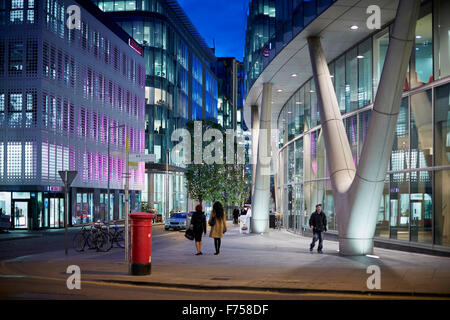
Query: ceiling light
x=293 y=75
x=360 y=57
x=372 y=256
x=298 y=102
x=289 y=111
x=331 y=76
x=311 y=91
x=280 y=90
x=354 y=27
x=418 y=37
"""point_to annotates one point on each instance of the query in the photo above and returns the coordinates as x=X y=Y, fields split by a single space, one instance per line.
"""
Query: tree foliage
x=228 y=183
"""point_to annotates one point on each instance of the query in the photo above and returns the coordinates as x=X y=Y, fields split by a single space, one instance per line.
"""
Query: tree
x=228 y=183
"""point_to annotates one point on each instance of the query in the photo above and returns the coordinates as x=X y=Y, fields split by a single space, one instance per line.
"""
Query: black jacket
x=198 y=221
x=318 y=221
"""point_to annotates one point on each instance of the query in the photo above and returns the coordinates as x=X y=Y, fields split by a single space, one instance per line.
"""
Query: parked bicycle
x=117 y=235
x=92 y=237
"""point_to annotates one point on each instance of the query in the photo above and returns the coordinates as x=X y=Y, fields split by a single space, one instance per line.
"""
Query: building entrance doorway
x=56 y=212
x=20 y=214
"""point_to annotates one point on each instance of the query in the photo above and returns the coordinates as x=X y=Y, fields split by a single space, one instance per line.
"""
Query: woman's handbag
x=189 y=234
x=212 y=222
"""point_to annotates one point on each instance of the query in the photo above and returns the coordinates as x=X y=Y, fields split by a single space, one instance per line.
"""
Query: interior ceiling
x=333 y=26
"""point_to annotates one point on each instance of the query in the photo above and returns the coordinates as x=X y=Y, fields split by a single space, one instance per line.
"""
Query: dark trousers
x=217 y=243
x=317 y=235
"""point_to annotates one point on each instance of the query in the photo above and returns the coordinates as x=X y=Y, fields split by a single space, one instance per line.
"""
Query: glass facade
x=271 y=24
x=414 y=205
x=179 y=84
x=65 y=95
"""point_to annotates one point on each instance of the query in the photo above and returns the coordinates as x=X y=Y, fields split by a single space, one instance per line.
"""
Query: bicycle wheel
x=103 y=242
x=120 y=239
x=79 y=242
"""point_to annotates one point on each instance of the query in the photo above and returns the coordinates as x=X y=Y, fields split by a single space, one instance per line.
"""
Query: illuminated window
x=44 y=161
x=2 y=108
x=31 y=109
x=15 y=59
x=15 y=110
x=14 y=159
x=30 y=170
x=1 y=160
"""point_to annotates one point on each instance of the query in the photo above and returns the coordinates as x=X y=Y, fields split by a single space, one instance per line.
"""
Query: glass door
x=61 y=212
x=20 y=214
x=54 y=213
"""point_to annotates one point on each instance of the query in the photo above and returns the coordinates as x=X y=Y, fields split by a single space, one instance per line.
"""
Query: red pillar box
x=141 y=243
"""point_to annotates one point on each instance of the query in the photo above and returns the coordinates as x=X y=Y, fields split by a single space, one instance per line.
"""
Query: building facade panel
x=65 y=95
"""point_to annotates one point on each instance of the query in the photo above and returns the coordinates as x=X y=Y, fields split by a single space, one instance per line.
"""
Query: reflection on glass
x=421 y=133
x=380 y=46
x=339 y=79
x=442 y=158
x=382 y=228
x=351 y=80
x=365 y=73
x=351 y=127
x=329 y=207
x=442 y=125
x=364 y=120
x=442 y=207
x=421 y=68
x=442 y=38
x=400 y=150
x=299 y=160
x=399 y=200
x=421 y=208
x=291 y=163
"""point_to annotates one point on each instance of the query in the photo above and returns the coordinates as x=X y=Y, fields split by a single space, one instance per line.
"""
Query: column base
x=355 y=246
x=260 y=225
x=140 y=269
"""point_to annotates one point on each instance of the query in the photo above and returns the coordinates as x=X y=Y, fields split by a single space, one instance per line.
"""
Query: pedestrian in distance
x=318 y=223
x=235 y=215
x=218 y=225
x=198 y=222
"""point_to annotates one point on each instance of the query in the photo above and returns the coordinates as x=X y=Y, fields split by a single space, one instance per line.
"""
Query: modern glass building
x=179 y=86
x=414 y=209
x=261 y=25
x=65 y=94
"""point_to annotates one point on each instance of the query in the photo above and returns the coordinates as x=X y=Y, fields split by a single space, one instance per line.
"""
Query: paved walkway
x=278 y=261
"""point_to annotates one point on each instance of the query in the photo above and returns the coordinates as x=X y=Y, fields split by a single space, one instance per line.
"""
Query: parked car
x=177 y=222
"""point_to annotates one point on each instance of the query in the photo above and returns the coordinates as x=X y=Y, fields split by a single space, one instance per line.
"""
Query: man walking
x=318 y=223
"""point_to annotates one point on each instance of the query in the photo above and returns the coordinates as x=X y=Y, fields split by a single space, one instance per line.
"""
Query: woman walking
x=198 y=222
x=218 y=225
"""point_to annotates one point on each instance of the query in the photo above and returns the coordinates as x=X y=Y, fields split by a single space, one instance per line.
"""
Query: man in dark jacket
x=318 y=223
x=198 y=222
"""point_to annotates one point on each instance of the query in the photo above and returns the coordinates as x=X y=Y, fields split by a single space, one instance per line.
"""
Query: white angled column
x=255 y=133
x=358 y=227
x=357 y=194
x=261 y=196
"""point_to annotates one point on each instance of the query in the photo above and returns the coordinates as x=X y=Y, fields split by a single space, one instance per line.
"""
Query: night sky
x=221 y=20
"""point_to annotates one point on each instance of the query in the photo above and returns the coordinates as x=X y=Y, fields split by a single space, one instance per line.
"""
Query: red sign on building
x=133 y=44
